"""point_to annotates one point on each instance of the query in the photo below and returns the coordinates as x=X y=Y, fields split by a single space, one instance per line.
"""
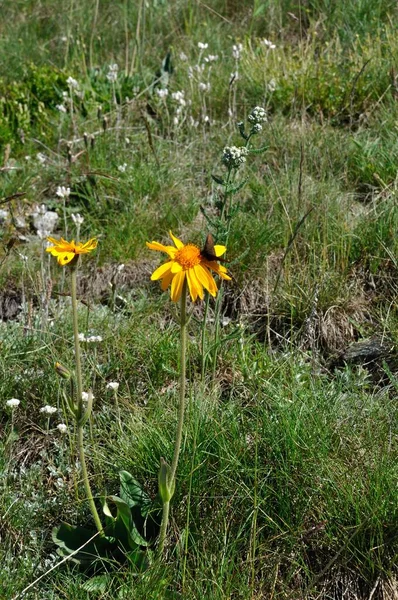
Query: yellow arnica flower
x=187 y=261
x=66 y=251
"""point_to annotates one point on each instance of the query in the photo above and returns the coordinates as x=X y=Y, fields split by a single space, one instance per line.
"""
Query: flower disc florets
x=233 y=156
x=258 y=115
x=188 y=257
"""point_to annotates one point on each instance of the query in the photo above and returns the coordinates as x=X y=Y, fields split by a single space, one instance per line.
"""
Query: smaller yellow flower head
x=66 y=251
x=187 y=261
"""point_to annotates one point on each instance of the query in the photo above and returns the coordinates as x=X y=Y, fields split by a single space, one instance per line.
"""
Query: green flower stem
x=163 y=527
x=183 y=370
x=181 y=410
x=203 y=336
x=79 y=413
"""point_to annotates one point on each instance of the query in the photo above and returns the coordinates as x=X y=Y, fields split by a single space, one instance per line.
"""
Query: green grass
x=287 y=479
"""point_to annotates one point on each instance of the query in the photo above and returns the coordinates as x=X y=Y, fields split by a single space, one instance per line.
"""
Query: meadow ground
x=120 y=112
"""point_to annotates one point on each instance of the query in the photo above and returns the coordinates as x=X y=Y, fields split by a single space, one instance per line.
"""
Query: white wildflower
x=179 y=97
x=204 y=87
x=62 y=428
x=268 y=44
x=86 y=396
x=82 y=337
x=271 y=85
x=93 y=339
x=183 y=57
x=48 y=410
x=112 y=385
x=211 y=58
x=42 y=158
x=73 y=83
x=63 y=192
x=13 y=402
x=202 y=46
x=45 y=222
x=257 y=128
x=233 y=156
x=77 y=219
x=162 y=92
x=237 y=51
x=122 y=168
x=61 y=108
x=112 y=73
x=258 y=115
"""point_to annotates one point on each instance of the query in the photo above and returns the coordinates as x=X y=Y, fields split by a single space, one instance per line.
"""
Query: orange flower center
x=188 y=257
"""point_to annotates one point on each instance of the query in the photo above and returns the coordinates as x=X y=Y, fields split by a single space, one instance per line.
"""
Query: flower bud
x=62 y=371
x=166 y=487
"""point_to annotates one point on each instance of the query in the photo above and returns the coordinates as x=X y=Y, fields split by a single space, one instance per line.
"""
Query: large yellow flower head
x=188 y=261
x=67 y=251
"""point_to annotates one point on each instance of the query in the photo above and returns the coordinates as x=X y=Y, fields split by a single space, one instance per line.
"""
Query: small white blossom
x=257 y=128
x=202 y=46
x=179 y=97
x=13 y=402
x=73 y=83
x=63 y=192
x=122 y=168
x=112 y=73
x=271 y=85
x=120 y=268
x=211 y=58
x=61 y=108
x=42 y=158
x=258 y=115
x=233 y=156
x=82 y=337
x=62 y=428
x=86 y=395
x=77 y=219
x=162 y=92
x=268 y=44
x=93 y=339
x=45 y=222
x=112 y=385
x=183 y=57
x=204 y=87
x=237 y=51
x=48 y=410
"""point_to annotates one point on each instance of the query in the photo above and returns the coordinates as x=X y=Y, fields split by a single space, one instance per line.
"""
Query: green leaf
x=71 y=538
x=124 y=516
x=98 y=584
x=258 y=150
x=218 y=179
x=236 y=188
x=131 y=491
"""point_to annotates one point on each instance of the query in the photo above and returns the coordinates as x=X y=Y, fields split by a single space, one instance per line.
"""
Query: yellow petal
x=219 y=250
x=65 y=257
x=170 y=250
x=88 y=246
x=167 y=280
x=161 y=271
x=176 y=286
x=206 y=279
x=195 y=287
x=177 y=242
x=176 y=268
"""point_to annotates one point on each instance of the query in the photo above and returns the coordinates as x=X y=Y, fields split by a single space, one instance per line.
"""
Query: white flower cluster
x=258 y=115
x=162 y=92
x=112 y=385
x=13 y=402
x=61 y=108
x=202 y=46
x=73 y=83
x=44 y=221
x=90 y=339
x=257 y=128
x=211 y=58
x=112 y=73
x=237 y=51
x=179 y=97
x=268 y=44
x=204 y=87
x=77 y=219
x=48 y=410
x=62 y=428
x=122 y=168
x=233 y=156
x=63 y=192
x=86 y=396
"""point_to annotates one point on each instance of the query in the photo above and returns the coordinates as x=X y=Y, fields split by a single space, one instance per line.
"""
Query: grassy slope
x=287 y=482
